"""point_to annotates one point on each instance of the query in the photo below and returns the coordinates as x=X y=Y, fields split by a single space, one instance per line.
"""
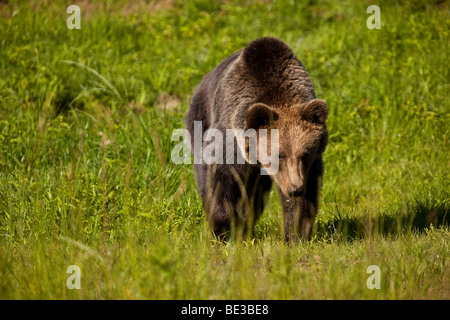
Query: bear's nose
x=297 y=190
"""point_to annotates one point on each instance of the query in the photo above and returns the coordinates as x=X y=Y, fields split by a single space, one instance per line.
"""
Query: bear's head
x=303 y=137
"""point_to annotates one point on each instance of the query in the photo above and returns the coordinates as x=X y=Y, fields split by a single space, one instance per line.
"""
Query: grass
x=86 y=179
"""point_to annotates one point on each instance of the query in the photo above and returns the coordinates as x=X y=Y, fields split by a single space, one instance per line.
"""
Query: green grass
x=85 y=171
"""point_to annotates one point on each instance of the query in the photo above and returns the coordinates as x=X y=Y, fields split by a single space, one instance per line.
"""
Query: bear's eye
x=306 y=156
x=282 y=157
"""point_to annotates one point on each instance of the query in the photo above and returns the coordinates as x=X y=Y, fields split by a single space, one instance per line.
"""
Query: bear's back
x=266 y=71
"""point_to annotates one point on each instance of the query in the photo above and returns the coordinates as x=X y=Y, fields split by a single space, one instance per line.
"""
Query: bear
x=262 y=86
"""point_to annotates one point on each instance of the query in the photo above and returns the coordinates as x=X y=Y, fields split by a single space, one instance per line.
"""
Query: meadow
x=86 y=177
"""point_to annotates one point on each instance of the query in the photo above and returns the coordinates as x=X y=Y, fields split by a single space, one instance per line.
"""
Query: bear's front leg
x=300 y=212
x=224 y=199
x=215 y=198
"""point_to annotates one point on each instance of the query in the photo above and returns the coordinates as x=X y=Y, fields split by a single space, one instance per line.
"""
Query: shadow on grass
x=419 y=215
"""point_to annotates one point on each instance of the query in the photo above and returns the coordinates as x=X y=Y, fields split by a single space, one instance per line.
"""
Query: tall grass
x=85 y=141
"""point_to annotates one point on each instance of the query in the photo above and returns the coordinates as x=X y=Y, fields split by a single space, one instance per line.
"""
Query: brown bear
x=263 y=86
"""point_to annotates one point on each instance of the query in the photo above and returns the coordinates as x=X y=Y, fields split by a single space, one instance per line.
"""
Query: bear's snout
x=297 y=190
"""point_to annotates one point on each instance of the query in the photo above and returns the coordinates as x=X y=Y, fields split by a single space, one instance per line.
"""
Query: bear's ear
x=315 y=111
x=259 y=115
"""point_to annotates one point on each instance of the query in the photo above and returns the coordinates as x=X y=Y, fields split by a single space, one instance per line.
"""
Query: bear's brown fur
x=263 y=86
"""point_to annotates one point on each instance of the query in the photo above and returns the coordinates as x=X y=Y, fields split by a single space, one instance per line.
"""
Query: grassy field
x=86 y=178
